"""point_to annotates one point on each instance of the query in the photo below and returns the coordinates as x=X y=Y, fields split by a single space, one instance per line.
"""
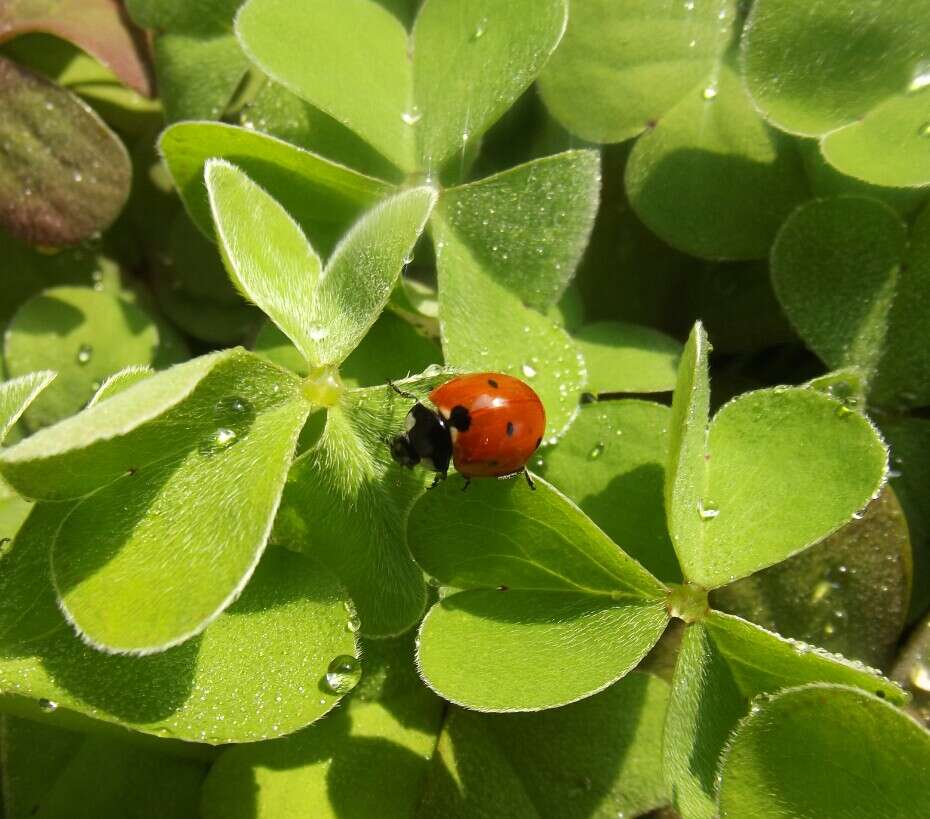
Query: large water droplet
x=48 y=705
x=343 y=674
x=84 y=354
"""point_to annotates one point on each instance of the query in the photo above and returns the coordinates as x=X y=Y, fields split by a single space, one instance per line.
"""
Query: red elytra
x=506 y=425
x=487 y=424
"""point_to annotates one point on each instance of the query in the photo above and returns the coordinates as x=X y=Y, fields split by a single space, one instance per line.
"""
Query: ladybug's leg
x=399 y=391
x=440 y=477
x=466 y=484
x=529 y=479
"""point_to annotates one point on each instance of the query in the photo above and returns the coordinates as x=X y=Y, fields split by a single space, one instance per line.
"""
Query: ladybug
x=487 y=425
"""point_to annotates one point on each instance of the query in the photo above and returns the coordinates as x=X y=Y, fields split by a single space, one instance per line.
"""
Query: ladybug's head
x=426 y=441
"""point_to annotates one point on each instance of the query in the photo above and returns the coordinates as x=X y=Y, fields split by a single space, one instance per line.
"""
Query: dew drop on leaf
x=354 y=624
x=924 y=130
x=233 y=406
x=84 y=354
x=709 y=93
x=921 y=76
x=222 y=438
x=411 y=117
x=343 y=674
x=707 y=510
x=529 y=371
x=318 y=333
x=48 y=705
x=596 y=451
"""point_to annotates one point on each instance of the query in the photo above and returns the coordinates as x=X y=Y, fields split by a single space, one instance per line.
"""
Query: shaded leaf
x=56 y=774
x=124 y=108
x=257 y=672
x=282 y=114
x=909 y=476
x=82 y=334
x=865 y=101
x=826 y=751
x=26 y=272
x=63 y=174
x=623 y=357
x=384 y=734
x=596 y=82
x=712 y=179
x=198 y=62
x=346 y=503
x=725 y=663
x=596 y=758
x=854 y=288
x=612 y=464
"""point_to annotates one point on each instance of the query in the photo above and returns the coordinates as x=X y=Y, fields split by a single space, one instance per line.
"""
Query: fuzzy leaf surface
x=542 y=587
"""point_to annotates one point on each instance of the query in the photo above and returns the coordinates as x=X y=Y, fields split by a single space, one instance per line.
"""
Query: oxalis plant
x=220 y=596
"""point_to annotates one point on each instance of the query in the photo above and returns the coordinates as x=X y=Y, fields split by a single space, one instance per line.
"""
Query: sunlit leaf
x=544 y=590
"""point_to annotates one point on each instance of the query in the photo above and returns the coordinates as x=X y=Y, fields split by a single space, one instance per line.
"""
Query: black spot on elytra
x=538 y=442
x=509 y=429
x=459 y=418
x=493 y=383
x=492 y=463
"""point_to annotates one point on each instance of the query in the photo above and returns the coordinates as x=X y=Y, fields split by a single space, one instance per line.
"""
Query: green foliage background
x=699 y=229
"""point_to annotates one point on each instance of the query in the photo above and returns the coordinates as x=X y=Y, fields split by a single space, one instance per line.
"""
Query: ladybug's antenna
x=399 y=391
